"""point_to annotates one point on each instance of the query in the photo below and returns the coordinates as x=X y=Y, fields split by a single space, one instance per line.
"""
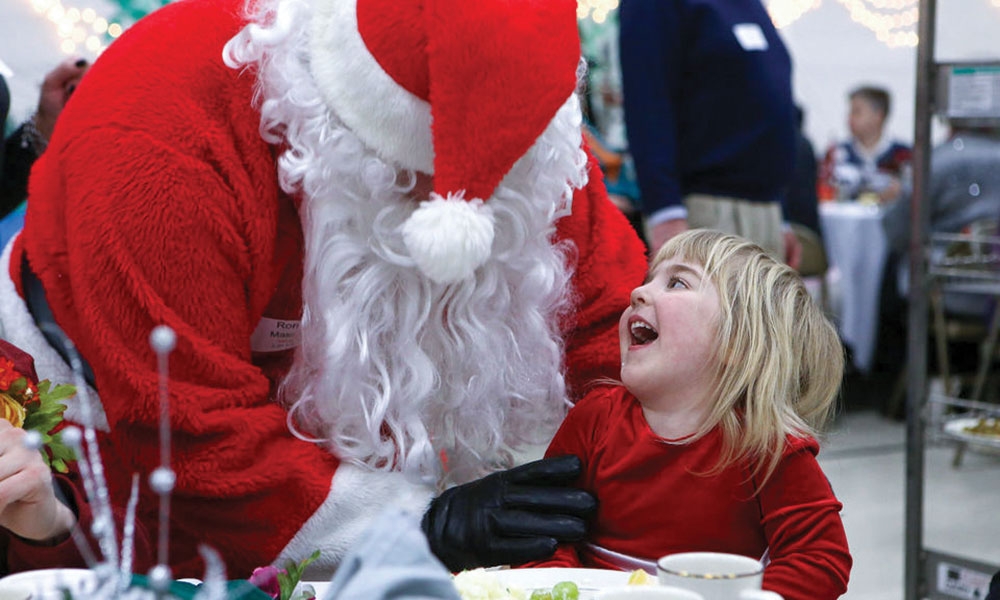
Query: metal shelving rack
x=928 y=573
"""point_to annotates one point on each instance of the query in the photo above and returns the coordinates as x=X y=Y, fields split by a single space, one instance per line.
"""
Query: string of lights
x=78 y=29
x=786 y=12
x=83 y=29
x=893 y=21
x=598 y=10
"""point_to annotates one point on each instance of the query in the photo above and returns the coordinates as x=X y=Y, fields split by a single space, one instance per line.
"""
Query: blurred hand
x=793 y=249
x=661 y=232
x=891 y=191
x=510 y=517
x=58 y=85
x=28 y=504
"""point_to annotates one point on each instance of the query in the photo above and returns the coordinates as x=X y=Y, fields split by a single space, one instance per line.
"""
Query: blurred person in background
x=963 y=185
x=868 y=166
x=604 y=120
x=26 y=143
x=963 y=189
x=710 y=118
x=801 y=201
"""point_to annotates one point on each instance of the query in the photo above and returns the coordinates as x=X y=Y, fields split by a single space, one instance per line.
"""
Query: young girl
x=729 y=371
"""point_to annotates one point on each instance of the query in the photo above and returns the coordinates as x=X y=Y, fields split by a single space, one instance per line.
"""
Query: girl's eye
x=676 y=282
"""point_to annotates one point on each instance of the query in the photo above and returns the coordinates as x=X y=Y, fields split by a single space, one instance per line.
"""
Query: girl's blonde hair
x=780 y=362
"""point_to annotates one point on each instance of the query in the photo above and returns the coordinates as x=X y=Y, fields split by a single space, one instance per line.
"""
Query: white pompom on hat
x=460 y=89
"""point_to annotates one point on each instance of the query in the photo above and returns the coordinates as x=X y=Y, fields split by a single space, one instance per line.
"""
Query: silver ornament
x=162 y=480
x=162 y=339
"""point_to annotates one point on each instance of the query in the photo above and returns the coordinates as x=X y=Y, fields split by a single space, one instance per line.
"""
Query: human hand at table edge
x=663 y=231
x=793 y=249
x=509 y=517
x=29 y=507
x=891 y=192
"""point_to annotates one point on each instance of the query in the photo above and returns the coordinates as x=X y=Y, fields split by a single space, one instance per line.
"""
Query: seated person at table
x=963 y=185
x=38 y=510
x=729 y=368
x=868 y=165
x=963 y=189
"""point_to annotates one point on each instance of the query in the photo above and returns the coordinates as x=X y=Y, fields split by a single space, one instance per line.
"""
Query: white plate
x=589 y=581
x=957 y=428
x=44 y=583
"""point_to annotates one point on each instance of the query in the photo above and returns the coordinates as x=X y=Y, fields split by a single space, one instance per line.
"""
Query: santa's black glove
x=509 y=517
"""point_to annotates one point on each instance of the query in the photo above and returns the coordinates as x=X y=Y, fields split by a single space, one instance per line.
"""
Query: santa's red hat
x=460 y=89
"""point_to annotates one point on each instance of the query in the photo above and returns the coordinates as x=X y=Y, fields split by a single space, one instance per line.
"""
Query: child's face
x=667 y=333
x=864 y=119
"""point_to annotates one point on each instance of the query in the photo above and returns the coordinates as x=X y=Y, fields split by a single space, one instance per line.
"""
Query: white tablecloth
x=856 y=249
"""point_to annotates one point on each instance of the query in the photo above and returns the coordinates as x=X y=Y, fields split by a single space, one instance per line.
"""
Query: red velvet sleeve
x=809 y=556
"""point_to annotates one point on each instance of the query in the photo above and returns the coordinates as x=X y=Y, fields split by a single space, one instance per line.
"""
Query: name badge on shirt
x=750 y=36
x=275 y=335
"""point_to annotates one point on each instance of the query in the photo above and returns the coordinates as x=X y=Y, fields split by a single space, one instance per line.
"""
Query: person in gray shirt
x=963 y=186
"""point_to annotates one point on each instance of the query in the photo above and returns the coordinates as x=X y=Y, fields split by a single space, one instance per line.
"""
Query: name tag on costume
x=275 y=335
x=750 y=36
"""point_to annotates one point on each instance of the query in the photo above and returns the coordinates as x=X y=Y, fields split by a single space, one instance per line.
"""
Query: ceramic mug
x=715 y=575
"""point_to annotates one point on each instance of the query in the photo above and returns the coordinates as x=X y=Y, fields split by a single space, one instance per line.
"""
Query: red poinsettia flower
x=31 y=404
x=18 y=383
x=17 y=361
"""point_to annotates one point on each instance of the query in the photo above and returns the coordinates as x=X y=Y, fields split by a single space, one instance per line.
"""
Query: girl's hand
x=28 y=504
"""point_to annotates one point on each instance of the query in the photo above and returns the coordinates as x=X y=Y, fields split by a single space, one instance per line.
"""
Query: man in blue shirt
x=710 y=117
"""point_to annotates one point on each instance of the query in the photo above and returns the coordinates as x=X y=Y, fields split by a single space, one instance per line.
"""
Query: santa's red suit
x=158 y=202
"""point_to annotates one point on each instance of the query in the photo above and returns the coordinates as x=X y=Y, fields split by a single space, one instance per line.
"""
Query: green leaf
x=60 y=392
x=45 y=415
x=18 y=385
x=286 y=586
x=309 y=560
x=61 y=450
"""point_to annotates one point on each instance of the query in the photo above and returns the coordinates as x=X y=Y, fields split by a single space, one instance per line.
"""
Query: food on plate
x=480 y=584
x=639 y=577
x=564 y=590
x=985 y=426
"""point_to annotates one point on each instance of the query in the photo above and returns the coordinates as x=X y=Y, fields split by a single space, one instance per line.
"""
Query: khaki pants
x=759 y=222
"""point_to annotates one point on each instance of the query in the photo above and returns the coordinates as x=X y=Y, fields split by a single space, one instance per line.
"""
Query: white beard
x=396 y=372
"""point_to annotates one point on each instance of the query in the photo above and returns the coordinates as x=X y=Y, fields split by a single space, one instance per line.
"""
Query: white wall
x=832 y=54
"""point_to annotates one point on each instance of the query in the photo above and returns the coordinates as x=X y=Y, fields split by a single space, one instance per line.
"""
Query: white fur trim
x=357 y=496
x=449 y=238
x=18 y=327
x=387 y=117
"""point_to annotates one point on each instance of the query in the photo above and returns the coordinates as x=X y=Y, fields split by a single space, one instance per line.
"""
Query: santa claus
x=388 y=260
